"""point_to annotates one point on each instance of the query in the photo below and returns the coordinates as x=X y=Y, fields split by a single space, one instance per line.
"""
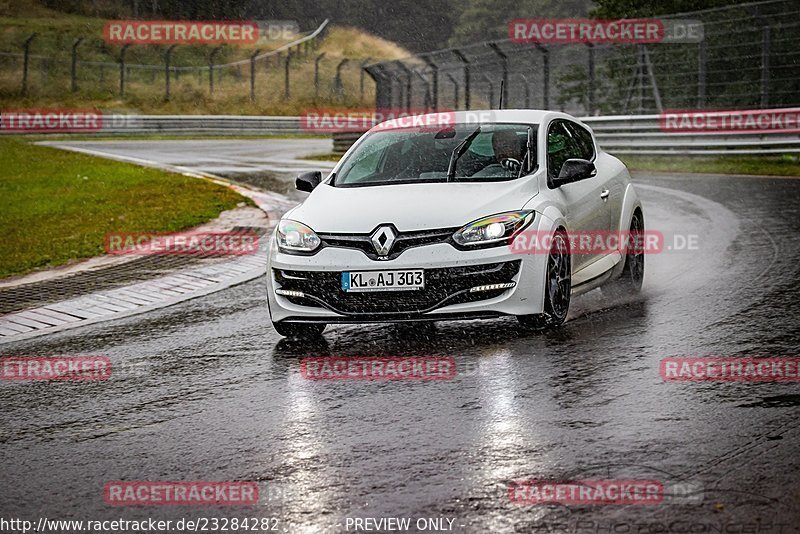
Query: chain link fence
x=91 y=67
x=747 y=59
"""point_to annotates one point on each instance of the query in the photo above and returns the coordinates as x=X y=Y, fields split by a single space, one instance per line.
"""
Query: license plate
x=383 y=280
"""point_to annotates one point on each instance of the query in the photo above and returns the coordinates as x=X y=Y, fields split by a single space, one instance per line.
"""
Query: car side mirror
x=574 y=170
x=308 y=181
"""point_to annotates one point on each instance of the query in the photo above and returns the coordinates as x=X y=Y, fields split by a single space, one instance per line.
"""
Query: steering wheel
x=511 y=164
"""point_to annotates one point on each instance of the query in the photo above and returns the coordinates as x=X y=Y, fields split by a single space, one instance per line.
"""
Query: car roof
x=489 y=116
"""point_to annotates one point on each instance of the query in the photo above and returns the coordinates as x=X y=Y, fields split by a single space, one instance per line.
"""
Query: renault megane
x=419 y=224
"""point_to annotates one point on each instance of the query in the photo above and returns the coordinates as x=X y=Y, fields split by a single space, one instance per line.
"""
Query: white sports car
x=423 y=224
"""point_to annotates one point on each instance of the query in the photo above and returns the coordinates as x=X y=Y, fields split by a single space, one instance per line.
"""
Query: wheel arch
x=630 y=204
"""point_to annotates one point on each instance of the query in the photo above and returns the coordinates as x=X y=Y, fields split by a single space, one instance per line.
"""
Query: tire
x=299 y=330
x=630 y=281
x=557 y=288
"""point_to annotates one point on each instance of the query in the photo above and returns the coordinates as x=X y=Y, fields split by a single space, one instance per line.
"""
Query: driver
x=507 y=144
x=509 y=151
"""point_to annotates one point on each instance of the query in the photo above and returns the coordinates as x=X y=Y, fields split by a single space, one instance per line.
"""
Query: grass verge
x=781 y=165
x=57 y=206
x=324 y=157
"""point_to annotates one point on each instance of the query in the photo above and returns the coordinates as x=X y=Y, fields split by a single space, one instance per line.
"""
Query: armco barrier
x=629 y=134
x=642 y=134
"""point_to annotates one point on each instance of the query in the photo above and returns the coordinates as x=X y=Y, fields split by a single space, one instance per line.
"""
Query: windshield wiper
x=458 y=152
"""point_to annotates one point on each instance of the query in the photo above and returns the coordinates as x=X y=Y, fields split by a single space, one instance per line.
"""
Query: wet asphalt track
x=217 y=395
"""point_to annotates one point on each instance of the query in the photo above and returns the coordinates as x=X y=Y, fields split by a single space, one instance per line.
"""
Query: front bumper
x=449 y=276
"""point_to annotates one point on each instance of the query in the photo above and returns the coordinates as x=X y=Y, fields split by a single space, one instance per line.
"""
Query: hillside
x=98 y=71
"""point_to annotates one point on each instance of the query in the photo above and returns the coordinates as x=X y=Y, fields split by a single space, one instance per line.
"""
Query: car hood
x=409 y=206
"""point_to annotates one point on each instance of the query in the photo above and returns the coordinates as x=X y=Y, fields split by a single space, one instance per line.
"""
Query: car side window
x=584 y=140
x=561 y=146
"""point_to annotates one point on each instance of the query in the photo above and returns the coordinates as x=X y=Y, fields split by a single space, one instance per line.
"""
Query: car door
x=612 y=189
x=584 y=208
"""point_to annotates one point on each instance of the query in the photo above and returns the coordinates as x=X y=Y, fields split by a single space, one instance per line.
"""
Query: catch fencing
x=90 y=66
x=746 y=59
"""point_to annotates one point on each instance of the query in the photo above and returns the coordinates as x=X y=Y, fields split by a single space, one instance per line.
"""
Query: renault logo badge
x=383 y=239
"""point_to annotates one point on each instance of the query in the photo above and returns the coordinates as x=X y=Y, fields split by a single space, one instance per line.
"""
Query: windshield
x=493 y=152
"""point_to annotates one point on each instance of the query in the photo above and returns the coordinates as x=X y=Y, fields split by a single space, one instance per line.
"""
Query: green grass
x=57 y=206
x=781 y=165
x=324 y=157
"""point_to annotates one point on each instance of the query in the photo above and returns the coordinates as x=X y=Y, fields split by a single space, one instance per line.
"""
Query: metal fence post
x=338 y=89
x=545 y=76
x=26 y=47
x=384 y=98
x=408 y=86
x=455 y=90
x=527 y=91
x=434 y=81
x=253 y=74
x=73 y=72
x=465 y=61
x=167 y=63
x=286 y=75
x=211 y=57
x=122 y=69
x=379 y=78
x=491 y=89
x=701 y=74
x=361 y=79
x=427 y=99
x=316 y=74
x=765 y=67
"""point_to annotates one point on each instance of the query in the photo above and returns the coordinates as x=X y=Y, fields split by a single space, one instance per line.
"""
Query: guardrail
x=200 y=124
x=642 y=134
x=617 y=134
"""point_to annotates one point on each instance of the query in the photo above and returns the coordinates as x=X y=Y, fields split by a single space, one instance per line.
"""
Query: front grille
x=442 y=287
x=403 y=241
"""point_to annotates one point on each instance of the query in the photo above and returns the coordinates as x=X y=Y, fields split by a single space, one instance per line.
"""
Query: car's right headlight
x=494 y=230
x=294 y=236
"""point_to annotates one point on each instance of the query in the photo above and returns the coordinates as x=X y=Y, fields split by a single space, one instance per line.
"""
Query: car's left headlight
x=493 y=230
x=296 y=237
